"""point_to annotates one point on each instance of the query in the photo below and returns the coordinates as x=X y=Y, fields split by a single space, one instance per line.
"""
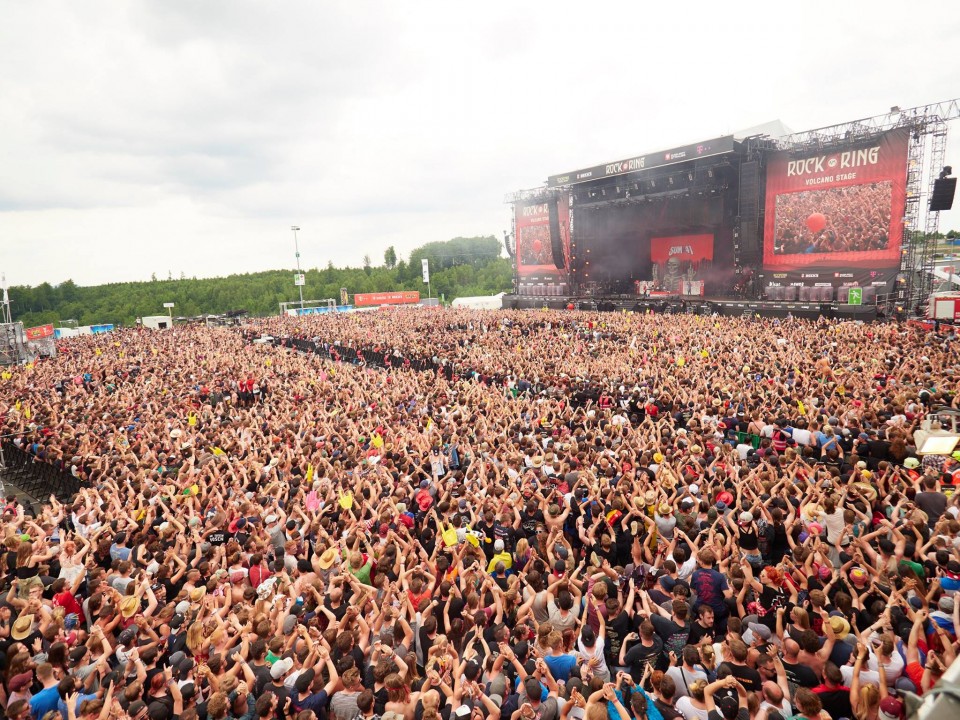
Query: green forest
x=461 y=267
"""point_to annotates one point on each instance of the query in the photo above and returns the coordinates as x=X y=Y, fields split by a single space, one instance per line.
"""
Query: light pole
x=296 y=246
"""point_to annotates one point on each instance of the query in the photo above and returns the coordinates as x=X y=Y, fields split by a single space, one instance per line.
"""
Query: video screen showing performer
x=842 y=219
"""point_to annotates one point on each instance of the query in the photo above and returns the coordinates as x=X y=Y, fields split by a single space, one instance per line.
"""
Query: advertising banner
x=386 y=298
x=532 y=227
x=836 y=218
x=41 y=331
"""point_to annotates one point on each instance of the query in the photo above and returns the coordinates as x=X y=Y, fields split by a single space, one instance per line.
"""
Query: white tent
x=481 y=302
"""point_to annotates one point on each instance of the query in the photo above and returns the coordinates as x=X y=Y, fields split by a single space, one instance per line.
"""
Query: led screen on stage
x=680 y=257
x=532 y=227
x=836 y=218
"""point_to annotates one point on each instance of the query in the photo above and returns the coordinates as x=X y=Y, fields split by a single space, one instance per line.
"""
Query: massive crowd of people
x=423 y=514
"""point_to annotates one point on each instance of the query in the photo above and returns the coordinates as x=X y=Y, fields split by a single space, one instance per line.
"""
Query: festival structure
x=838 y=221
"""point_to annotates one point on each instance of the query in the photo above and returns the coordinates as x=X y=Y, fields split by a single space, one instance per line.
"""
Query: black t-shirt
x=617 y=629
x=279 y=690
x=219 y=537
x=639 y=656
x=742 y=714
x=800 y=675
x=748 y=677
x=529 y=523
x=262 y=674
x=669 y=712
x=698 y=632
x=674 y=636
x=836 y=701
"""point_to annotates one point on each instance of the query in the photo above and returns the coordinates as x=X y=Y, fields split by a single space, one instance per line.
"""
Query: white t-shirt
x=685 y=707
x=595 y=653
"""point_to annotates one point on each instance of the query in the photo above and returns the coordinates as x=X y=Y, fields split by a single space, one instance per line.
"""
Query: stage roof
x=684 y=153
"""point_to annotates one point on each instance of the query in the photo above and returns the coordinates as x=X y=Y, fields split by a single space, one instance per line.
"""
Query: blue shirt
x=44 y=701
x=560 y=665
x=62 y=706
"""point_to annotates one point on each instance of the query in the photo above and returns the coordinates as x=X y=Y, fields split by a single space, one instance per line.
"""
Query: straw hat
x=129 y=606
x=22 y=627
x=326 y=560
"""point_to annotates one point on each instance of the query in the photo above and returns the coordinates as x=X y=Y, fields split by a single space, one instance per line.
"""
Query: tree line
x=460 y=267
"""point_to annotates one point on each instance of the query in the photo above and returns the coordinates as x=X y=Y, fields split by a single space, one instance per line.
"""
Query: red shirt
x=257 y=575
x=69 y=603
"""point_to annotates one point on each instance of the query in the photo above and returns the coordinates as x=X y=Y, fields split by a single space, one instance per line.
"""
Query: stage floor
x=695 y=306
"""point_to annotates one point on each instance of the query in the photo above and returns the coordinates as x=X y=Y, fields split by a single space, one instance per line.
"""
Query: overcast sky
x=183 y=136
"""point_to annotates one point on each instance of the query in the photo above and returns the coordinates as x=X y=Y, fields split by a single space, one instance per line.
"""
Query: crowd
x=858 y=219
x=440 y=514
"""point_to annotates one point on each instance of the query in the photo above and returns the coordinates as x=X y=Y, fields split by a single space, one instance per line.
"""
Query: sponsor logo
x=534 y=210
x=582 y=175
x=843 y=275
x=780 y=275
x=675 y=156
x=625 y=166
x=810 y=275
x=844 y=160
x=562 y=179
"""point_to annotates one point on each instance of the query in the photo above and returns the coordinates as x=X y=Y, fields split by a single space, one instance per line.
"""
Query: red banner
x=532 y=227
x=838 y=210
x=41 y=331
x=405 y=297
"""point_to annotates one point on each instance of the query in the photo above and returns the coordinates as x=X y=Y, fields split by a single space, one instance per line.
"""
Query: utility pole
x=300 y=277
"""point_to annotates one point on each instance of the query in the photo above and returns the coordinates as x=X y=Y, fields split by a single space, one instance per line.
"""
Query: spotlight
x=946 y=172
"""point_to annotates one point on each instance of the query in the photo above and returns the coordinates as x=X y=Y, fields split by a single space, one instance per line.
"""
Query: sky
x=180 y=137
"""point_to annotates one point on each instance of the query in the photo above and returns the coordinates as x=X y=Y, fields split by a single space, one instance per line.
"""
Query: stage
x=675 y=305
x=814 y=223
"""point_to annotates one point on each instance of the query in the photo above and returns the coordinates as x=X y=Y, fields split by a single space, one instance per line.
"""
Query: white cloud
x=152 y=136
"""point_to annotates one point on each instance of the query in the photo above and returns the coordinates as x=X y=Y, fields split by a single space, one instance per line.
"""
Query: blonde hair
x=869 y=701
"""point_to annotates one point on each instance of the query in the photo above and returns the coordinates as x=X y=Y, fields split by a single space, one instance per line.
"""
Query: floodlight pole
x=296 y=246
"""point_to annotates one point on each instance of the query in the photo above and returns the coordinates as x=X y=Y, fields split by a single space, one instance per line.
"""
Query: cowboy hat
x=22 y=627
x=129 y=606
x=326 y=560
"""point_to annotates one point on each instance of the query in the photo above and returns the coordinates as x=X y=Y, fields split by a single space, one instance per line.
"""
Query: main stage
x=826 y=223
x=729 y=307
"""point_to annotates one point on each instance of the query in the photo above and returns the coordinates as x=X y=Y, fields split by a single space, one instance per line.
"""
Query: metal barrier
x=36 y=477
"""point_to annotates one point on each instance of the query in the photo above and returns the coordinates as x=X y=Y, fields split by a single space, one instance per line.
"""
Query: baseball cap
x=756 y=630
x=304 y=680
x=280 y=668
x=891 y=708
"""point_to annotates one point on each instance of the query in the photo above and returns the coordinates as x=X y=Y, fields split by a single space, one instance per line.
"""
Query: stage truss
x=926 y=157
x=13 y=349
